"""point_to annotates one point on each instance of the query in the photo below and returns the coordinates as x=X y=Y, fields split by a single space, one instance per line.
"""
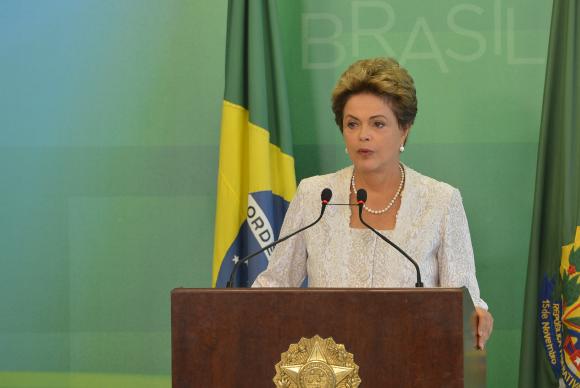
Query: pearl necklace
x=392 y=202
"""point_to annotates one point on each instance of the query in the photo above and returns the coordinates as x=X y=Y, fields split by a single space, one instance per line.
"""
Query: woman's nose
x=364 y=133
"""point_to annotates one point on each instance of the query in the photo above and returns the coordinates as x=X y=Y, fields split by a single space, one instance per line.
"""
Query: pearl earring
x=346 y=150
x=402 y=149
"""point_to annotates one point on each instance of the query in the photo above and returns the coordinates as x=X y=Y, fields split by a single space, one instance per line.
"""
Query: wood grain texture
x=399 y=337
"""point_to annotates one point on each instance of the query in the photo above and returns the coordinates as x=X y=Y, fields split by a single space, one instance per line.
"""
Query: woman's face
x=371 y=133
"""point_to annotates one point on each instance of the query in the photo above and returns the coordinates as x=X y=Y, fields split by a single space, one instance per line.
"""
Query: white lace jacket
x=431 y=227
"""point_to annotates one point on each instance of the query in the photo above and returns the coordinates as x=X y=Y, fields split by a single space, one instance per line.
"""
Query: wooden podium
x=224 y=338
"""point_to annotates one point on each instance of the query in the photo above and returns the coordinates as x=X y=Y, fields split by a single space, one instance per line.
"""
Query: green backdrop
x=109 y=117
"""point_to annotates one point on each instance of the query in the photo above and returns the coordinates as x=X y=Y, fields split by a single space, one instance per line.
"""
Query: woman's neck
x=378 y=181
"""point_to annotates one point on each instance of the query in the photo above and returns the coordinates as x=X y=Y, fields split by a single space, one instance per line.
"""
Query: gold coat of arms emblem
x=317 y=363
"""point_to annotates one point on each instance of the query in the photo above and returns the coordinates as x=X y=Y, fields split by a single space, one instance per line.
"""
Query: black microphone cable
x=325 y=197
x=361 y=198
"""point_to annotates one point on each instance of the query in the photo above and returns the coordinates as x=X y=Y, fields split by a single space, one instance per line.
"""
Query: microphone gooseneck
x=325 y=197
x=361 y=198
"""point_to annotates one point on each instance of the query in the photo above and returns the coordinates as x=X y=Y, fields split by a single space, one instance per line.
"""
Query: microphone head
x=326 y=195
x=361 y=195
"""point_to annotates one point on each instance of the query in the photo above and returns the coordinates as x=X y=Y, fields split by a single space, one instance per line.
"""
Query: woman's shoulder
x=429 y=186
x=333 y=180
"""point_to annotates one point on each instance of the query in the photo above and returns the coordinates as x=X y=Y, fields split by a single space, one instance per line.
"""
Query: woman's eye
x=379 y=124
x=351 y=124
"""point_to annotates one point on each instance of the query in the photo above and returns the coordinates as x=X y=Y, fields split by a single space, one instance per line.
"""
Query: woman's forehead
x=367 y=105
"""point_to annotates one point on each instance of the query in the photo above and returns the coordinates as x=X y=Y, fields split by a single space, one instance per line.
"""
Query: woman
x=375 y=104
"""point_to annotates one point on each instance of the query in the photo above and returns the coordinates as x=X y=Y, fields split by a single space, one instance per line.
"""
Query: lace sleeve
x=455 y=255
x=287 y=265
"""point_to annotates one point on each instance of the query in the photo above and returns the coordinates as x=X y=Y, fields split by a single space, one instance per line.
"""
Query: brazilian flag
x=550 y=352
x=256 y=178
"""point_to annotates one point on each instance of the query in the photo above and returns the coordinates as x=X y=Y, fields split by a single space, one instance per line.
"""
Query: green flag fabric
x=256 y=178
x=550 y=352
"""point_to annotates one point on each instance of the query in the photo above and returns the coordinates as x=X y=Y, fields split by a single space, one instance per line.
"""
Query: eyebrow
x=370 y=118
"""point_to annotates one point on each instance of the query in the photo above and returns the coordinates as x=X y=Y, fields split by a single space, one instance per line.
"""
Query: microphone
x=325 y=197
x=361 y=198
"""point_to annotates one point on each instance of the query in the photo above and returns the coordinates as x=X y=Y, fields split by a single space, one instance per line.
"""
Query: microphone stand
x=326 y=198
x=361 y=203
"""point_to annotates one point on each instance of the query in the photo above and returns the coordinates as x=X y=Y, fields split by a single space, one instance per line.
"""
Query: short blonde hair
x=383 y=77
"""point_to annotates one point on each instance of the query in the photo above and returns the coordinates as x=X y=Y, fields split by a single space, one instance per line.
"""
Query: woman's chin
x=372 y=166
x=366 y=166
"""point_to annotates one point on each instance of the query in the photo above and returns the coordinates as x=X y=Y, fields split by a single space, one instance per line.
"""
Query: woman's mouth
x=364 y=151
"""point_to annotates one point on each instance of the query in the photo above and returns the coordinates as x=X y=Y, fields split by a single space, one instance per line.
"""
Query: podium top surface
x=434 y=290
